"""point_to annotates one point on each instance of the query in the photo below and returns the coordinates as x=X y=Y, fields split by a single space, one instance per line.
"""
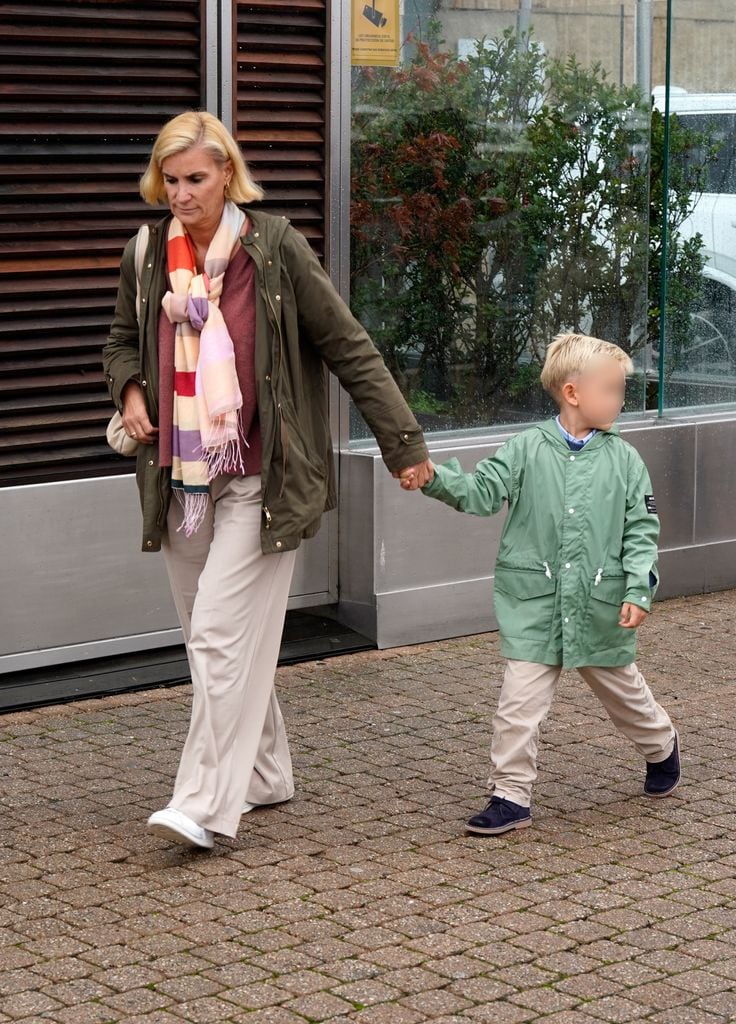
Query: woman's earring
x=227 y=189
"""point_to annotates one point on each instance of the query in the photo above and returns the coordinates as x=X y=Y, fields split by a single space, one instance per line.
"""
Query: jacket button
x=268 y=377
x=150 y=462
x=571 y=511
x=279 y=544
x=256 y=235
x=270 y=263
x=143 y=299
x=144 y=383
x=566 y=619
x=149 y=265
x=149 y=543
x=278 y=298
x=572 y=458
x=568 y=565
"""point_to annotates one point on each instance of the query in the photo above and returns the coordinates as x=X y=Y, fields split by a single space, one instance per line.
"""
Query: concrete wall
x=703 y=39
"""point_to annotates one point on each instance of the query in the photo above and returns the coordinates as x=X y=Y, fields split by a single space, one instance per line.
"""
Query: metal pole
x=665 y=213
x=522 y=24
x=643 y=45
x=621 y=43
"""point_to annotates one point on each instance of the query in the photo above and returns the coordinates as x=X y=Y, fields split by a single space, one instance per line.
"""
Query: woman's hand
x=414 y=477
x=135 y=416
x=631 y=615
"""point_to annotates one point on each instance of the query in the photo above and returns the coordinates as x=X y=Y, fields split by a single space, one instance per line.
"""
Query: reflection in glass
x=499 y=196
x=700 y=321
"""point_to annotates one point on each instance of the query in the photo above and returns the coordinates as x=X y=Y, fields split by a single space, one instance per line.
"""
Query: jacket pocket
x=301 y=471
x=524 y=600
x=609 y=590
x=606 y=598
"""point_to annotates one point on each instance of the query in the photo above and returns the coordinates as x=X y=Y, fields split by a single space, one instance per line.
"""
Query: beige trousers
x=231 y=601
x=526 y=697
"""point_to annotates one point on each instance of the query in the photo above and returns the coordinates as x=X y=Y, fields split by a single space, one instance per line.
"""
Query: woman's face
x=195 y=188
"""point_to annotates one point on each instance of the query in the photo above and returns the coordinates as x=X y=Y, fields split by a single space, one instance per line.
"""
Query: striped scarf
x=207 y=399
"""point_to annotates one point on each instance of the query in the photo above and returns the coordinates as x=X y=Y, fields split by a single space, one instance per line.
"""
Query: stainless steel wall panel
x=715 y=506
x=356 y=547
x=669 y=452
x=698 y=569
x=423 y=543
x=74 y=577
x=435 y=612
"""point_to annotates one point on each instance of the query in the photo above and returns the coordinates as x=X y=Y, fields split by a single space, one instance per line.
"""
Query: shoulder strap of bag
x=141 y=244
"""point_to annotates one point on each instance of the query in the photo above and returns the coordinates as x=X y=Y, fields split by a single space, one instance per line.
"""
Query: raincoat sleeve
x=641 y=532
x=481 y=493
x=350 y=354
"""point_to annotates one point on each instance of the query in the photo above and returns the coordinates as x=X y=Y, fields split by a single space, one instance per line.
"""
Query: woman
x=220 y=376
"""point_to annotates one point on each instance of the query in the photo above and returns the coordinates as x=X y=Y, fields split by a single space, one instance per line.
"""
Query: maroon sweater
x=238 y=308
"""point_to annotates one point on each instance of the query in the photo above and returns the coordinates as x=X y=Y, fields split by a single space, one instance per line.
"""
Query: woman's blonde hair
x=198 y=128
x=569 y=354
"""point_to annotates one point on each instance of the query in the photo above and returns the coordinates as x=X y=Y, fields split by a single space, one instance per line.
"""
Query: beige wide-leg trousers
x=231 y=601
x=526 y=697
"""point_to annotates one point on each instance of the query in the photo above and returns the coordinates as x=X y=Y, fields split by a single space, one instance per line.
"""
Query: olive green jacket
x=579 y=540
x=301 y=325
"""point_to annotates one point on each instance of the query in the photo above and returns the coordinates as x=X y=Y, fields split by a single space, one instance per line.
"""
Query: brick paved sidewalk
x=363 y=899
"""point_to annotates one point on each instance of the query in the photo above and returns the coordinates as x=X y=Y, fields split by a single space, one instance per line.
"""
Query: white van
x=714 y=217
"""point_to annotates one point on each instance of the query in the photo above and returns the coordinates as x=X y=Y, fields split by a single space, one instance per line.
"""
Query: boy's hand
x=631 y=615
x=414 y=477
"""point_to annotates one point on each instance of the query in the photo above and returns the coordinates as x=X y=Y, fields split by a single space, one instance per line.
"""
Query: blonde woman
x=220 y=376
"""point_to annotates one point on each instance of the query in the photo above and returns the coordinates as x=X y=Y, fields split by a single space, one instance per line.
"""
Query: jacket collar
x=265 y=230
x=552 y=432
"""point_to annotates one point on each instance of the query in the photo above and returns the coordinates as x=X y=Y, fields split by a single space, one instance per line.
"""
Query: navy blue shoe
x=500 y=816
x=664 y=776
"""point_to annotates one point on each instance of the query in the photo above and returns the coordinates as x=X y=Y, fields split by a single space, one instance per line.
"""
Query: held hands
x=631 y=615
x=414 y=477
x=135 y=417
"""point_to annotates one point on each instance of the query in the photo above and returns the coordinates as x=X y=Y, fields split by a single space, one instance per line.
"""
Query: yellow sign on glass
x=376 y=27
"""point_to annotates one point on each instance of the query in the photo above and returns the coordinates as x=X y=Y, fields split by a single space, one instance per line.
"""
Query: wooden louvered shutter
x=84 y=88
x=280 y=93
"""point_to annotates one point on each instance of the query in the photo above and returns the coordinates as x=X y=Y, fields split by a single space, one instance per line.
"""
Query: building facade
x=460 y=272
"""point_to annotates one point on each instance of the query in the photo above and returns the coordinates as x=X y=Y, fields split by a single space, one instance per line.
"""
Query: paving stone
x=720 y=1002
x=24 y=1004
x=436 y=1002
x=501 y=1013
x=615 y=1009
x=319 y=1006
x=388 y=1013
x=689 y=1015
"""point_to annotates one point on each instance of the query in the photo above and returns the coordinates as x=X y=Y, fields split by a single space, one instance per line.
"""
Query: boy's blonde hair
x=569 y=354
x=198 y=128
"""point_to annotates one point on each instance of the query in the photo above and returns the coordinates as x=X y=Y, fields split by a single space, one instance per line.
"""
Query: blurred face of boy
x=593 y=399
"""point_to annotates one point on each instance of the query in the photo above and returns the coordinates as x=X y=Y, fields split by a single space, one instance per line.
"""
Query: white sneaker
x=177 y=826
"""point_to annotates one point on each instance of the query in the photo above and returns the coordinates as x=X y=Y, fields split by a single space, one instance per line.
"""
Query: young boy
x=575 y=575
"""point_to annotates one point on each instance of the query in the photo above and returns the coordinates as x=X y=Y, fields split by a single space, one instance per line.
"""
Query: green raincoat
x=580 y=539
